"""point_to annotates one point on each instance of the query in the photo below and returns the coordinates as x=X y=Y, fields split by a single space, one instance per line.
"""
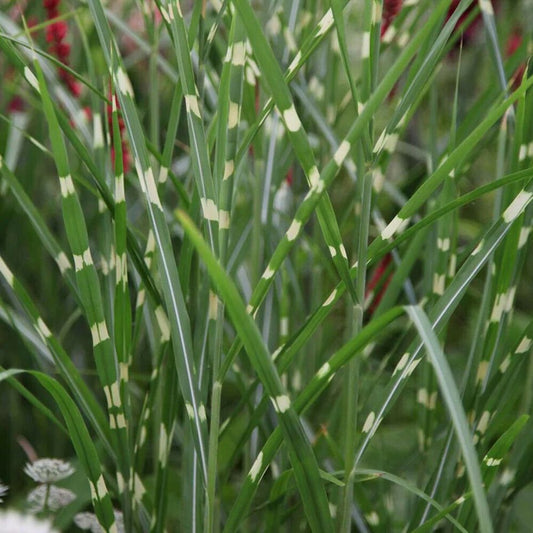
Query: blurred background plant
x=249 y=374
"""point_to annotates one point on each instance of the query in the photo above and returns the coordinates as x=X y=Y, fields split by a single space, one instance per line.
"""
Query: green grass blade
x=171 y=287
x=69 y=372
x=305 y=399
x=83 y=445
x=302 y=456
x=273 y=76
x=456 y=411
x=89 y=286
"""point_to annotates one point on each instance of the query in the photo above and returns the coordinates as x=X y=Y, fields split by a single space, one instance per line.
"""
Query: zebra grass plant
x=265 y=266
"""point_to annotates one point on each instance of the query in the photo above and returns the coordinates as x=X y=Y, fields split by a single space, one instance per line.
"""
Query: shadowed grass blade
x=456 y=411
x=301 y=454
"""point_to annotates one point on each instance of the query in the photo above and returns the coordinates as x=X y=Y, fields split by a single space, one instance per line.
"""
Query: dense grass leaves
x=270 y=261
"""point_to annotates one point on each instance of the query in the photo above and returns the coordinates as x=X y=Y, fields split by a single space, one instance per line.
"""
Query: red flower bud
x=52 y=13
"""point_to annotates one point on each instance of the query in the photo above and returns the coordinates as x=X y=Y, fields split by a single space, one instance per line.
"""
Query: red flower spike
x=289 y=176
x=513 y=42
x=63 y=74
x=73 y=86
x=16 y=104
x=32 y=21
x=470 y=31
x=61 y=51
x=375 y=279
x=517 y=77
x=51 y=4
x=56 y=32
x=391 y=8
x=472 y=28
x=52 y=14
x=126 y=158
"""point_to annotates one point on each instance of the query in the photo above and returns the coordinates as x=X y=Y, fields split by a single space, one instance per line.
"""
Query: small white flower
x=90 y=522
x=87 y=521
x=55 y=500
x=48 y=470
x=3 y=490
x=15 y=522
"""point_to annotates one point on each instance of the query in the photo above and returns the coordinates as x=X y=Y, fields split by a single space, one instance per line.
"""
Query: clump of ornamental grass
x=267 y=266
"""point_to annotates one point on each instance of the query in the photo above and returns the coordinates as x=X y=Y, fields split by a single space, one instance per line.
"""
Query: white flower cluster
x=50 y=497
x=3 y=490
x=14 y=522
x=48 y=470
x=88 y=521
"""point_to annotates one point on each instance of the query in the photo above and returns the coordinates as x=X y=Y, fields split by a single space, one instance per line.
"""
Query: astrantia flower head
x=88 y=521
x=54 y=497
x=3 y=490
x=15 y=522
x=48 y=470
